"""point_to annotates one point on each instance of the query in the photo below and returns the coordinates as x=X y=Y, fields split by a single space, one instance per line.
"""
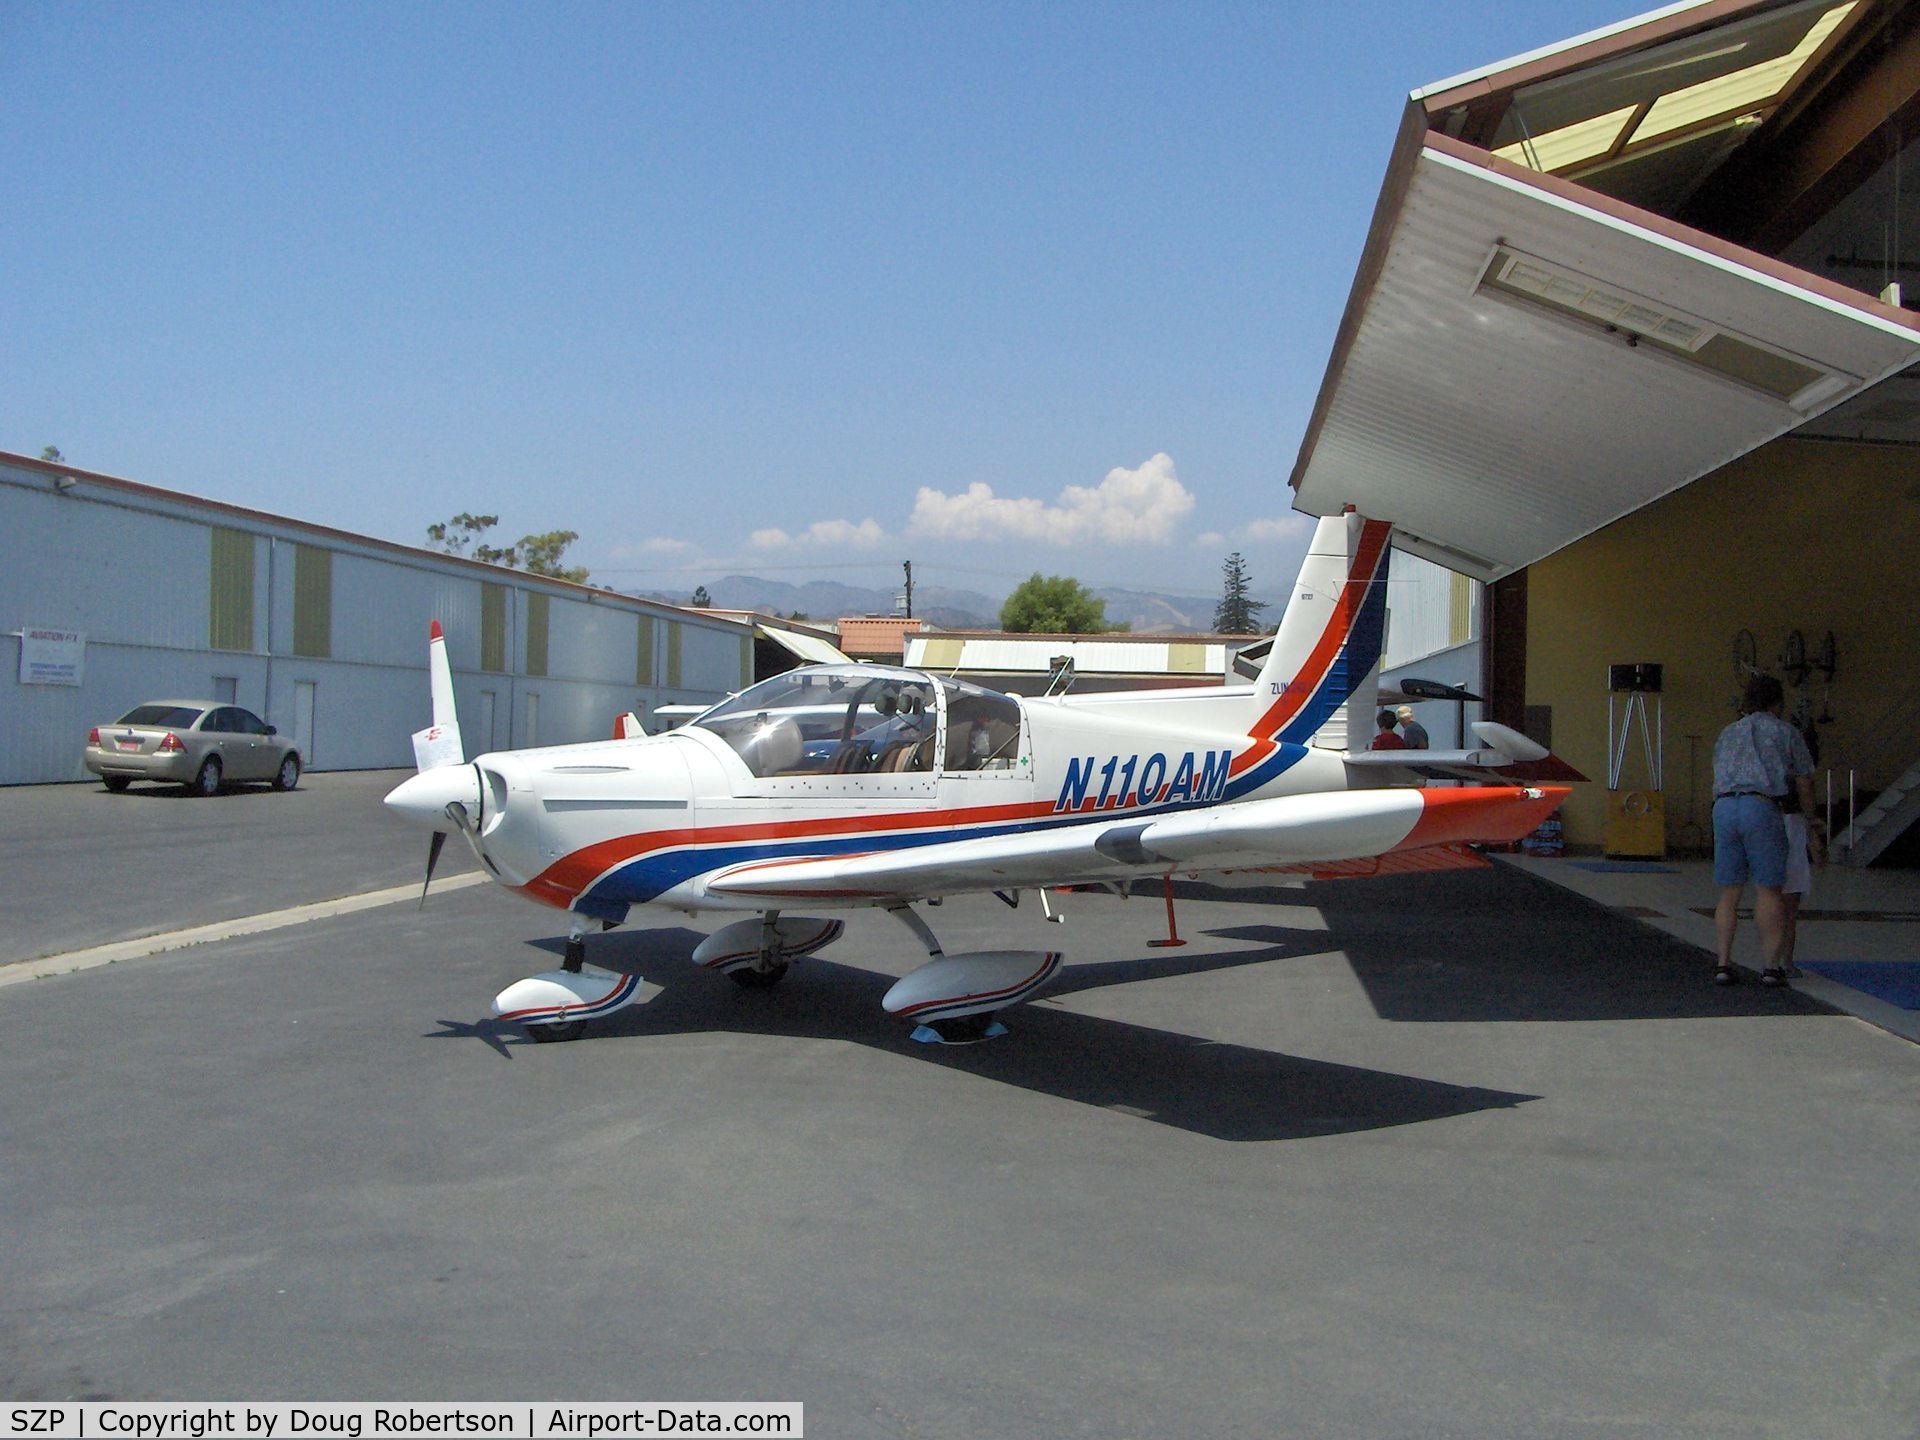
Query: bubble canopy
x=866 y=719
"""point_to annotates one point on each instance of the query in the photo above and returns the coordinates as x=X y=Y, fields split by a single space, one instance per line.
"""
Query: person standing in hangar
x=1757 y=761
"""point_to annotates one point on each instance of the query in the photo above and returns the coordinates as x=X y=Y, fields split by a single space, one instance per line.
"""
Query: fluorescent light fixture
x=1589 y=299
x=1636 y=319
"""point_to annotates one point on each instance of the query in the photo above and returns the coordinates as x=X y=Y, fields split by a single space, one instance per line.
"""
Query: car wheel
x=289 y=774
x=115 y=783
x=207 y=782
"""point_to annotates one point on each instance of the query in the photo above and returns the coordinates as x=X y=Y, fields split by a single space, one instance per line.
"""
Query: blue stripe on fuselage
x=646 y=877
x=1284 y=757
x=1352 y=665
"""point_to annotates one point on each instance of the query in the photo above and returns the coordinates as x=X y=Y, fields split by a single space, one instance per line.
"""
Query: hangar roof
x=102 y=488
x=1593 y=274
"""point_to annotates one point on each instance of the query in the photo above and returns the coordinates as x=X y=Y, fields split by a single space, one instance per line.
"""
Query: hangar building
x=1633 y=342
x=114 y=593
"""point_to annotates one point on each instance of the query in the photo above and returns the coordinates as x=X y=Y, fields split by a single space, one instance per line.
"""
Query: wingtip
x=434 y=632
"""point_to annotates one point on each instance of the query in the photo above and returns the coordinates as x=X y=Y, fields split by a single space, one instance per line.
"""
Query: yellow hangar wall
x=1813 y=536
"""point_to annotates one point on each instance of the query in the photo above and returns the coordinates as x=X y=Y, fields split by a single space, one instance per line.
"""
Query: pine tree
x=1237 y=613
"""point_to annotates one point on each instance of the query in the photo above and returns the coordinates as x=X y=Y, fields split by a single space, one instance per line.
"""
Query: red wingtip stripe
x=434 y=633
x=1487 y=814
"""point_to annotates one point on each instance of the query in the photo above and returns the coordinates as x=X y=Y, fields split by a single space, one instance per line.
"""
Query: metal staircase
x=1882 y=822
x=1897 y=806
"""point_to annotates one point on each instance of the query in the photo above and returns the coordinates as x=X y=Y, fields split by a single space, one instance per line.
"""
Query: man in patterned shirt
x=1755 y=761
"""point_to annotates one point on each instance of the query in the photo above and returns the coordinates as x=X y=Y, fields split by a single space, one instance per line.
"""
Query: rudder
x=1322 y=677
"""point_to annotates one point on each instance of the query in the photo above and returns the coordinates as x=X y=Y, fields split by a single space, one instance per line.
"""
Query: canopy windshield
x=831 y=719
x=866 y=719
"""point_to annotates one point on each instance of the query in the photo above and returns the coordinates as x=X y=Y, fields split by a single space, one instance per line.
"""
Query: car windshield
x=172 y=715
x=831 y=719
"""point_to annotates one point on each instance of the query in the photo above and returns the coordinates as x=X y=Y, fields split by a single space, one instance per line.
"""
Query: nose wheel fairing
x=566 y=997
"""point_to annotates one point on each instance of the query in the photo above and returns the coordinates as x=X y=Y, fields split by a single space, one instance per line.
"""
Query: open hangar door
x=1604 y=353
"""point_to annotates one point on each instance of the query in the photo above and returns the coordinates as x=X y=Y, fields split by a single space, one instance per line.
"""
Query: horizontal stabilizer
x=1508 y=741
x=1479 y=766
x=1505 y=756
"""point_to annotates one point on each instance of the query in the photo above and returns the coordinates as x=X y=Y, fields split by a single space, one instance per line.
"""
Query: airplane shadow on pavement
x=1224 y=1091
x=1500 y=945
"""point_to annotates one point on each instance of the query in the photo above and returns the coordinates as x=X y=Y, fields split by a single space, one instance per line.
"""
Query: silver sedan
x=201 y=744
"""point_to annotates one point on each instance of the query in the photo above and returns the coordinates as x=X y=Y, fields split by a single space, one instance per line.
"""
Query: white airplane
x=848 y=787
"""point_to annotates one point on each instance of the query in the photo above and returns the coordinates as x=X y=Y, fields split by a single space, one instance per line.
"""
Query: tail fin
x=1321 y=681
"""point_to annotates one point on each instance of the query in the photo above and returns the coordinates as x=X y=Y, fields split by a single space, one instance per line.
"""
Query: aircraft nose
x=423 y=799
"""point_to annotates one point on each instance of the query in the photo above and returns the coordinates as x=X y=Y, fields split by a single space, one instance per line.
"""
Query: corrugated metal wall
x=175 y=594
x=1432 y=608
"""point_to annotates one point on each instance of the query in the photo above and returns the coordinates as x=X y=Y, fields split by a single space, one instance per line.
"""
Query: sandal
x=1774 y=977
x=1723 y=975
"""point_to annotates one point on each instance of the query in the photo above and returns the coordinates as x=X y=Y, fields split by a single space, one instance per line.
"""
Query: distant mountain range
x=822 y=602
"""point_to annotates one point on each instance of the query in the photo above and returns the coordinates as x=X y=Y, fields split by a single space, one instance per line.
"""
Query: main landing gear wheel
x=966 y=1029
x=748 y=978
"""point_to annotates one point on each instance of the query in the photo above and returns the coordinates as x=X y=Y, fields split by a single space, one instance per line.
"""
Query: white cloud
x=1284 y=527
x=1129 y=507
x=658 y=545
x=835 y=534
x=1212 y=540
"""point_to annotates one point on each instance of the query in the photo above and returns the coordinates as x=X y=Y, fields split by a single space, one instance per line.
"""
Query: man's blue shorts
x=1749 y=841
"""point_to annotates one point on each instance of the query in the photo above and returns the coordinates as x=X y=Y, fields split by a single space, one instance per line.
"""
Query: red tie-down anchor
x=1173 y=940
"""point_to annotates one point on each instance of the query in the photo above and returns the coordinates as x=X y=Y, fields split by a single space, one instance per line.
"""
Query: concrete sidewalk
x=1852 y=915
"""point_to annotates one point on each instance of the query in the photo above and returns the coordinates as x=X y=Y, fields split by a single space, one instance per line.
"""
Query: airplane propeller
x=437 y=748
x=434 y=842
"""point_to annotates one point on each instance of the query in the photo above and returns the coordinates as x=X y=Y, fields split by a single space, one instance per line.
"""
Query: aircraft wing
x=1283 y=831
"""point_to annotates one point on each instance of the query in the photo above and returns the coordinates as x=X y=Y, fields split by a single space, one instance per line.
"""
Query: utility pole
x=908 y=566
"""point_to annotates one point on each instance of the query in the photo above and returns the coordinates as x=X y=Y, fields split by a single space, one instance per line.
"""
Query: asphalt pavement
x=81 y=866
x=1440 y=1156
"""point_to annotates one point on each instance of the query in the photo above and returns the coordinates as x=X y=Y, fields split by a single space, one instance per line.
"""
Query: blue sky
x=796 y=290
